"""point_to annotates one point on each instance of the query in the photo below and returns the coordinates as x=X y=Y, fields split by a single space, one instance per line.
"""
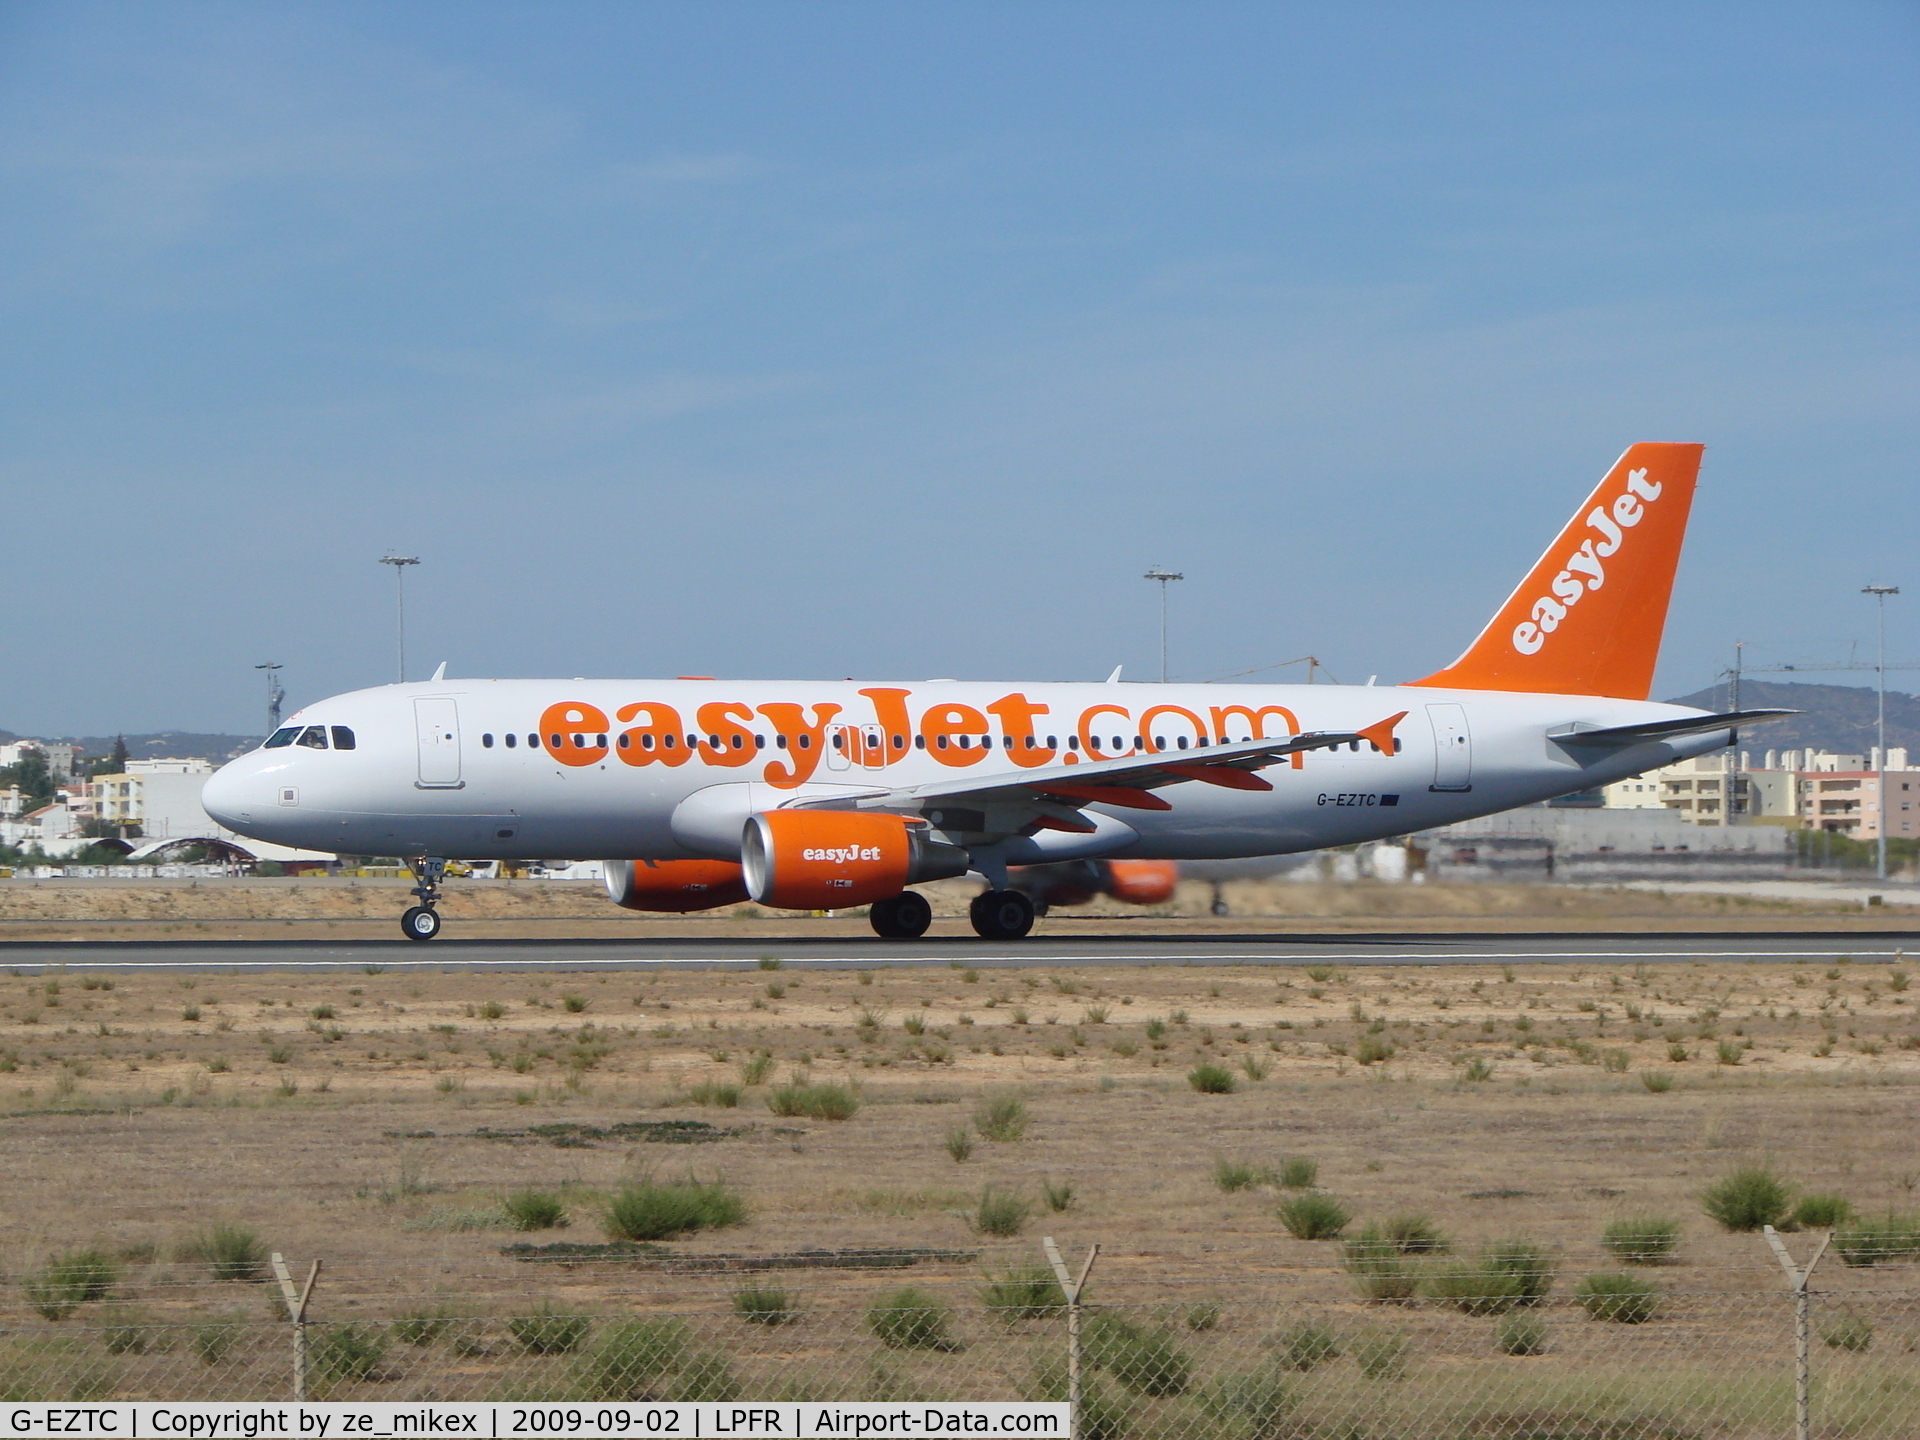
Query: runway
x=446 y=954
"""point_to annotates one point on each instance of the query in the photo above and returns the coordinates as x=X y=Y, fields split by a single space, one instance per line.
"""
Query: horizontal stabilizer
x=1619 y=736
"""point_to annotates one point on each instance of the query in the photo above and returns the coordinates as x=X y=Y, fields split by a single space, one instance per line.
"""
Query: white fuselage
x=431 y=770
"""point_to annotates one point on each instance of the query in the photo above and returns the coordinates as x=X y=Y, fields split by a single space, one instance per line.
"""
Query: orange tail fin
x=1587 y=619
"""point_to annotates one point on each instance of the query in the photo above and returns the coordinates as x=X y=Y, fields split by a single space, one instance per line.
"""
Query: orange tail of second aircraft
x=1587 y=619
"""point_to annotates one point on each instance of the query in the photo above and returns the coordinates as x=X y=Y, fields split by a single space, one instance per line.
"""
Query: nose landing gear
x=422 y=921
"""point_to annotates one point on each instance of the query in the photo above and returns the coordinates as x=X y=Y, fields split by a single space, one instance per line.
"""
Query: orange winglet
x=1224 y=775
x=1106 y=795
x=1381 y=733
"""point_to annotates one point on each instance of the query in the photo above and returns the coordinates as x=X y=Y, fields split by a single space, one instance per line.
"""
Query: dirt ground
x=375 y=1120
x=253 y=909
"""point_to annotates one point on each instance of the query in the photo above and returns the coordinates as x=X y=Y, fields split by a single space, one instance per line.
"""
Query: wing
x=1051 y=797
x=1618 y=737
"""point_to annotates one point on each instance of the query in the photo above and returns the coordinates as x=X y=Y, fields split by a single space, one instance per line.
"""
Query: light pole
x=399 y=564
x=1880 y=593
x=274 y=695
x=1163 y=576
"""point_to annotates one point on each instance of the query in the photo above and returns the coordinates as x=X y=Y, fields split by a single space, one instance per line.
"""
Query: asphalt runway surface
x=449 y=954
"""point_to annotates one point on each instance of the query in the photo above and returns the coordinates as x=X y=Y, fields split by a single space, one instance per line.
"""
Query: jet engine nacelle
x=1143 y=882
x=836 y=859
x=674 y=887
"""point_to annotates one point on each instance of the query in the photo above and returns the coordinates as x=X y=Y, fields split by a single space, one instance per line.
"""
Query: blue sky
x=898 y=340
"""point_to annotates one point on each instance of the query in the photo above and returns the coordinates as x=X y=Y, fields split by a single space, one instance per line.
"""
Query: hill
x=163 y=744
x=1835 y=717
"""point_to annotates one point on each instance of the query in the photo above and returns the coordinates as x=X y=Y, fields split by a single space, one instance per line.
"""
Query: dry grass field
x=379 y=1121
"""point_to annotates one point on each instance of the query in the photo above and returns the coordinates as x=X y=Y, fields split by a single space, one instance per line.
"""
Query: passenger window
x=900 y=743
x=780 y=742
x=966 y=742
x=512 y=739
x=281 y=738
x=1093 y=742
x=486 y=741
x=1116 y=742
x=556 y=742
x=806 y=742
x=600 y=742
x=919 y=742
x=646 y=741
x=759 y=742
x=626 y=742
x=1183 y=742
x=579 y=742
x=1073 y=743
x=739 y=742
x=941 y=741
x=533 y=741
x=670 y=741
x=314 y=737
x=836 y=741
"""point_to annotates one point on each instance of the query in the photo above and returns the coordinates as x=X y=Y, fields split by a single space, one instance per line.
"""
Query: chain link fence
x=1633 y=1356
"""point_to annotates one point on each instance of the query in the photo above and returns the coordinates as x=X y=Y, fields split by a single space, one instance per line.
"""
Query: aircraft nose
x=228 y=797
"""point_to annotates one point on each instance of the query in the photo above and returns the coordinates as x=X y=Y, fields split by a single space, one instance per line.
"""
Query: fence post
x=1071 y=1288
x=296 y=1301
x=1797 y=1277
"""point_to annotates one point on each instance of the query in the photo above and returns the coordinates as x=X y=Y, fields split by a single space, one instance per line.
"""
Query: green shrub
x=1520 y=1335
x=1618 y=1296
x=1414 y=1235
x=1103 y=1414
x=1313 y=1216
x=1748 y=1199
x=705 y=1375
x=1232 y=1175
x=718 y=1093
x=1305 y=1346
x=1822 y=1212
x=766 y=1304
x=1507 y=1274
x=756 y=1067
x=421 y=1327
x=548 y=1331
x=1002 y=1118
x=656 y=1210
x=1875 y=1240
x=1254 y=1402
x=1298 y=1172
x=1380 y=1269
x=910 y=1319
x=1642 y=1239
x=1211 y=1079
x=1202 y=1316
x=1659 y=1082
x=960 y=1143
x=1382 y=1356
x=69 y=1280
x=1476 y=1071
x=1028 y=1293
x=1851 y=1332
x=534 y=1210
x=231 y=1252
x=349 y=1352
x=126 y=1332
x=631 y=1358
x=211 y=1343
x=1372 y=1049
x=813 y=1102
x=1145 y=1359
x=999 y=1213
x=1058 y=1196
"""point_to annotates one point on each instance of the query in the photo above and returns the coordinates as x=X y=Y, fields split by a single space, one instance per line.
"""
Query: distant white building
x=1815 y=789
x=61 y=757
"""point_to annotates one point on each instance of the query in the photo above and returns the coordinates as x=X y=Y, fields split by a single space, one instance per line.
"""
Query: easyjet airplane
x=702 y=793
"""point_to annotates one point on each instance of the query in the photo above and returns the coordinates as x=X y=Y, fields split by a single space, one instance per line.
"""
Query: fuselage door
x=436 y=723
x=1452 y=748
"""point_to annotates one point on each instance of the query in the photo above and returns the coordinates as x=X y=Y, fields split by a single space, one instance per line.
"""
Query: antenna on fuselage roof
x=441 y=673
x=1114 y=678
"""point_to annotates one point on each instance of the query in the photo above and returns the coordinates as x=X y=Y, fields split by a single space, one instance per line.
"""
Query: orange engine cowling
x=1143 y=882
x=836 y=859
x=675 y=886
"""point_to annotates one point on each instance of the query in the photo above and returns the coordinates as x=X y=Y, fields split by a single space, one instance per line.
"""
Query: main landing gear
x=1001 y=914
x=422 y=921
x=905 y=917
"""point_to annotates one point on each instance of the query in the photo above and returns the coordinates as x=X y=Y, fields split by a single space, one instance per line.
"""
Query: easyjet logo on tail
x=1584 y=571
x=1587 y=618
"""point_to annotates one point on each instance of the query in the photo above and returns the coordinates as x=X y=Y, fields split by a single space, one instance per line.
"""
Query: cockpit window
x=281 y=737
x=342 y=738
x=314 y=737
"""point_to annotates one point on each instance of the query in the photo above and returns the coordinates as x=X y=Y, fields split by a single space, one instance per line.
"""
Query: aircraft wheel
x=420 y=923
x=1001 y=915
x=905 y=917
